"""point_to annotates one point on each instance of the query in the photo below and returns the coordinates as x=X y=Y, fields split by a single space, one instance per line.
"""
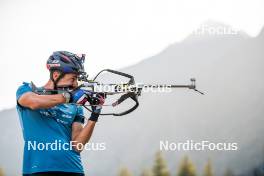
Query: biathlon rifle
x=129 y=90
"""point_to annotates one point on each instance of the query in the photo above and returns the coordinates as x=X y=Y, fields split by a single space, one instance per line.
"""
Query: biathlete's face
x=68 y=80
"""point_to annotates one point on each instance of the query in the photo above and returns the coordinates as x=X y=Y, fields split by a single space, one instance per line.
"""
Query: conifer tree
x=146 y=172
x=186 y=168
x=1 y=172
x=160 y=166
x=124 y=172
x=208 y=170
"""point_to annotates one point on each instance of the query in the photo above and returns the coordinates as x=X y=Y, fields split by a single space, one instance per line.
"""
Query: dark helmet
x=66 y=62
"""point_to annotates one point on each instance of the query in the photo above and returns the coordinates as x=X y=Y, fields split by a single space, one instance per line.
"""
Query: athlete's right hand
x=78 y=96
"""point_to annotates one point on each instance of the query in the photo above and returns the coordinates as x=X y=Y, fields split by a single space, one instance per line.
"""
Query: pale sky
x=113 y=34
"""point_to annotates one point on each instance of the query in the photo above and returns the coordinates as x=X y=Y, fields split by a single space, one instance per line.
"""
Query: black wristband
x=95 y=114
x=94 y=117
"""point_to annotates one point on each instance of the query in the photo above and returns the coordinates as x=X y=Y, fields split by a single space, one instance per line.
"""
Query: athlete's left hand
x=96 y=101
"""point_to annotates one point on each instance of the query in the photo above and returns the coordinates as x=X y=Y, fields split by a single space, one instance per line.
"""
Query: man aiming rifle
x=56 y=116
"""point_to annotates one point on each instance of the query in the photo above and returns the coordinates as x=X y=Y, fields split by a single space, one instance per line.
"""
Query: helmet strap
x=55 y=82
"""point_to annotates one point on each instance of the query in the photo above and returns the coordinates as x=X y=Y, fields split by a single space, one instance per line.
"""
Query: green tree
x=160 y=166
x=229 y=172
x=124 y=172
x=208 y=171
x=146 y=172
x=186 y=168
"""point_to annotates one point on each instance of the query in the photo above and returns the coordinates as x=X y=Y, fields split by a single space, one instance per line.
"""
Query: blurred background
x=220 y=43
